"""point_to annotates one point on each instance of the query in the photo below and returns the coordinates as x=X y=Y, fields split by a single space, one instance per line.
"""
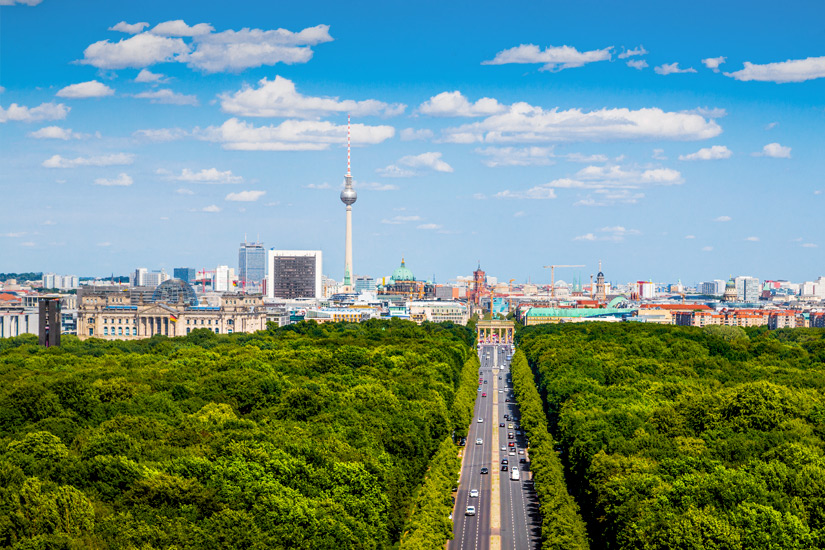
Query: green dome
x=402 y=273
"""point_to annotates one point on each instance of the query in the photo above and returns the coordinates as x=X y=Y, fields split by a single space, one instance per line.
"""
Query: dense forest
x=689 y=438
x=28 y=276
x=306 y=437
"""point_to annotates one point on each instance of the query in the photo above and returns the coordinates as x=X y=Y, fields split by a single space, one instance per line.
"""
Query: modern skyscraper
x=251 y=265
x=294 y=274
x=348 y=197
x=186 y=274
x=748 y=289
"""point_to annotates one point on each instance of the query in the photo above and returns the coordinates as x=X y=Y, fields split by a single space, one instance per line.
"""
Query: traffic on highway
x=495 y=505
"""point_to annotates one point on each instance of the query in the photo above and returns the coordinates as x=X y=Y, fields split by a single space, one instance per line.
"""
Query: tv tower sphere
x=348 y=195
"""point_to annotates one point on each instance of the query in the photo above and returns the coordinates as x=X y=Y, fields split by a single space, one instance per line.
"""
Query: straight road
x=518 y=523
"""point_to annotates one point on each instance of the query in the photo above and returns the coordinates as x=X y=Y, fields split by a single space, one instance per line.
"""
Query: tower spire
x=349 y=133
x=348 y=197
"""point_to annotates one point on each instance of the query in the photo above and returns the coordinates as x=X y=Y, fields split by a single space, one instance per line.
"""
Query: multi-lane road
x=506 y=510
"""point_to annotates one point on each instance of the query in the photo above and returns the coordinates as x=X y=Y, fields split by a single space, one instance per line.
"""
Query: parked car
x=504 y=468
x=504 y=461
x=470 y=511
x=501 y=424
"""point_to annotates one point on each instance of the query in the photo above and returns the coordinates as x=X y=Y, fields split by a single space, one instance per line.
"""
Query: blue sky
x=679 y=142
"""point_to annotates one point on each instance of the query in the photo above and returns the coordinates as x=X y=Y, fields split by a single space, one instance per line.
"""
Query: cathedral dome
x=401 y=273
x=175 y=291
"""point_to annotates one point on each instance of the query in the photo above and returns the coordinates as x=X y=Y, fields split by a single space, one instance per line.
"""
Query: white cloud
x=752 y=239
x=608 y=197
x=374 y=186
x=113 y=159
x=129 y=28
x=411 y=134
x=516 y=156
x=245 y=196
x=809 y=245
x=775 y=150
x=479 y=196
x=179 y=28
x=398 y=220
x=140 y=50
x=49 y=222
x=401 y=169
x=235 y=51
x=30 y=243
x=44 y=111
x=184 y=191
x=168 y=97
x=291 y=135
x=318 y=186
x=578 y=157
x=278 y=98
x=2 y=89
x=585 y=237
x=713 y=63
x=771 y=125
x=93 y=88
x=553 y=58
x=13 y=235
x=122 y=180
x=792 y=70
x=709 y=153
x=145 y=75
x=21 y=2
x=161 y=134
x=211 y=208
x=659 y=154
x=818 y=192
x=539 y=192
x=208 y=175
x=723 y=219
x=519 y=214
x=454 y=104
x=634 y=52
x=56 y=132
x=707 y=248
x=637 y=64
x=104 y=244
x=690 y=236
x=525 y=123
x=709 y=112
x=429 y=226
x=672 y=68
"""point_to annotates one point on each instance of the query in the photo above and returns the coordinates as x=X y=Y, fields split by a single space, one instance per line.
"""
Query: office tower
x=251 y=265
x=748 y=289
x=294 y=274
x=185 y=274
x=363 y=283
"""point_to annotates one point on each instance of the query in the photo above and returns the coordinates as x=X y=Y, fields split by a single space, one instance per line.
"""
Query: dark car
x=485 y=471
x=507 y=400
x=504 y=461
x=504 y=468
x=522 y=460
x=501 y=424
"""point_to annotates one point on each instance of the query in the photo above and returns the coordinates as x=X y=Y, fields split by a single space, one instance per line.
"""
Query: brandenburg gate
x=495 y=331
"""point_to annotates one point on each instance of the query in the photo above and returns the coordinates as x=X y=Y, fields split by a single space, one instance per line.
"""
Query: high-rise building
x=748 y=289
x=186 y=274
x=139 y=277
x=223 y=279
x=348 y=197
x=364 y=282
x=294 y=274
x=48 y=280
x=251 y=265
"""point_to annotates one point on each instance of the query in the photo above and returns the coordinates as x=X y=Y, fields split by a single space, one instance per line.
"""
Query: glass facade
x=293 y=276
x=251 y=264
x=186 y=274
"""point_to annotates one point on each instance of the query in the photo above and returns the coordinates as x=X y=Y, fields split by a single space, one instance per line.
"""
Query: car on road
x=480 y=420
x=484 y=394
x=506 y=399
x=504 y=467
x=470 y=511
x=473 y=493
x=522 y=460
x=479 y=388
x=485 y=470
x=501 y=424
x=514 y=474
x=503 y=448
x=510 y=426
x=479 y=441
x=510 y=435
x=521 y=451
x=485 y=381
x=511 y=444
x=504 y=461
x=512 y=452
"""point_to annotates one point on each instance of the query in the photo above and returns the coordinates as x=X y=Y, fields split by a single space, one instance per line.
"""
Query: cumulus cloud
x=752 y=239
x=659 y=154
x=398 y=220
x=429 y=226
x=516 y=156
x=168 y=97
x=539 y=192
x=184 y=191
x=122 y=180
x=454 y=104
x=578 y=157
x=129 y=28
x=614 y=234
x=525 y=123
x=775 y=150
x=113 y=159
x=709 y=153
x=708 y=112
x=713 y=63
x=792 y=70
x=375 y=186
x=809 y=245
x=723 y=219
x=407 y=166
x=44 y=111
x=161 y=134
x=411 y=134
x=637 y=64
x=707 y=249
x=211 y=208
x=245 y=196
x=93 y=88
x=278 y=98
x=553 y=58
x=291 y=135
x=318 y=186
x=145 y=75
x=56 y=132
x=208 y=175
x=672 y=68
x=178 y=28
x=140 y=50
x=690 y=236
x=20 y=2
x=608 y=197
x=771 y=125
x=634 y=52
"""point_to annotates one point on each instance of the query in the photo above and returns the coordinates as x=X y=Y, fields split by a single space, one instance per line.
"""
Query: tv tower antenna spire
x=348 y=197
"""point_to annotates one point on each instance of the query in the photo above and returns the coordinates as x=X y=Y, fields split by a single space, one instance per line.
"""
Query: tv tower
x=348 y=197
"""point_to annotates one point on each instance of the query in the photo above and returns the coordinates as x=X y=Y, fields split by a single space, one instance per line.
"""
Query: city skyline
x=157 y=135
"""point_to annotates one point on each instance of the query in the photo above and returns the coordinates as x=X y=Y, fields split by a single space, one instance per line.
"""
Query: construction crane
x=553 y=276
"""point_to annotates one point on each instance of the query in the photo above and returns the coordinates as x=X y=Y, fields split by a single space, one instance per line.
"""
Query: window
x=91 y=331
x=120 y=321
x=210 y=321
x=105 y=320
x=127 y=331
x=105 y=331
x=217 y=330
x=119 y=331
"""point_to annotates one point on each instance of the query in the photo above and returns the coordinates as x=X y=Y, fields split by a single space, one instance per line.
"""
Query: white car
x=503 y=448
x=480 y=420
x=473 y=493
x=512 y=451
x=471 y=511
x=521 y=451
x=479 y=441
